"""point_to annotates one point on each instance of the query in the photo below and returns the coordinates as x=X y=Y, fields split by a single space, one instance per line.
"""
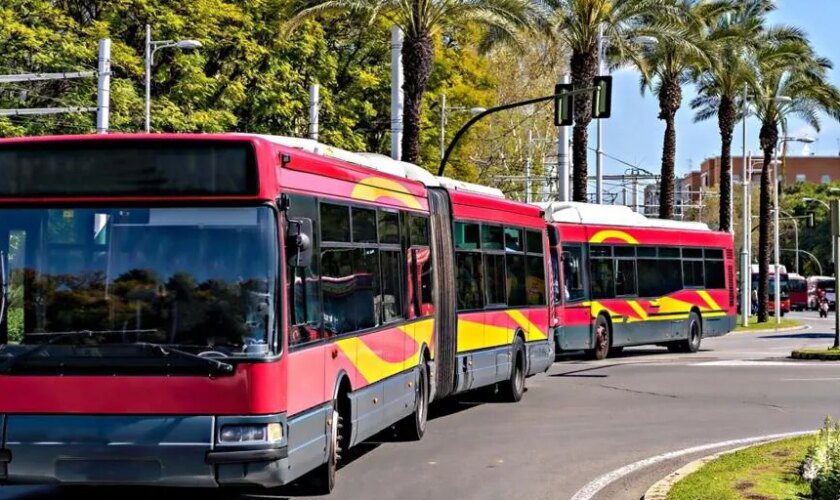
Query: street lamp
x=153 y=46
x=455 y=109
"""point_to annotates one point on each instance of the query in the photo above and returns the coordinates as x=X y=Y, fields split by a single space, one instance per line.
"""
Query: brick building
x=811 y=169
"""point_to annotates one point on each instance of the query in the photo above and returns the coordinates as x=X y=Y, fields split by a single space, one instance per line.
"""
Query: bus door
x=573 y=311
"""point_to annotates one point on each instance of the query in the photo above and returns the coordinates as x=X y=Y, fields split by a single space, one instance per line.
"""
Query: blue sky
x=634 y=133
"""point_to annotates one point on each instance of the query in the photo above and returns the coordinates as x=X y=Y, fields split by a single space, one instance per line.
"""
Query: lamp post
x=455 y=109
x=152 y=46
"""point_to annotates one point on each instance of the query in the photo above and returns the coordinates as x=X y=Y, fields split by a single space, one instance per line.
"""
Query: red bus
x=625 y=280
x=236 y=310
x=798 y=291
x=784 y=296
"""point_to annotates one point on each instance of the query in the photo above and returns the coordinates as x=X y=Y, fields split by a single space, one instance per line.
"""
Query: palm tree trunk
x=767 y=137
x=417 y=54
x=584 y=66
x=670 y=97
x=727 y=114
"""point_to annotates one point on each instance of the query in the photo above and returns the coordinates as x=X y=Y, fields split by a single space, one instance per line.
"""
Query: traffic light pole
x=463 y=130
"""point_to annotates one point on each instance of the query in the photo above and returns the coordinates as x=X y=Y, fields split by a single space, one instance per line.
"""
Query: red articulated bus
x=236 y=310
x=625 y=280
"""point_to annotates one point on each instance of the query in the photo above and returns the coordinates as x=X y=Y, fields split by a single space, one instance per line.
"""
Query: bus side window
x=573 y=273
x=305 y=283
x=555 y=277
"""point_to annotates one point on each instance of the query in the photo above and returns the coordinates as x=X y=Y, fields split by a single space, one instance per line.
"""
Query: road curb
x=774 y=330
x=661 y=488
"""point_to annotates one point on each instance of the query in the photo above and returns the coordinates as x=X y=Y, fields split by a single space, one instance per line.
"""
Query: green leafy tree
x=720 y=85
x=577 y=23
x=421 y=21
x=669 y=64
x=791 y=80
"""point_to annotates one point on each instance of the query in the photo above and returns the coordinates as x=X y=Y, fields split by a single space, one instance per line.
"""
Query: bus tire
x=512 y=390
x=413 y=427
x=321 y=481
x=695 y=334
x=603 y=339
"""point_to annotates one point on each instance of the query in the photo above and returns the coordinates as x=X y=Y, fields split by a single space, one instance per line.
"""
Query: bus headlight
x=251 y=433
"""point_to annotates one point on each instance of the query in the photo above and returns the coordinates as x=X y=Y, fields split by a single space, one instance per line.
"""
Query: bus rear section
x=503 y=333
x=798 y=290
x=626 y=280
x=821 y=288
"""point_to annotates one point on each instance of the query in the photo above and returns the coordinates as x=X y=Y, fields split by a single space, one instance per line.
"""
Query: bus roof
x=611 y=215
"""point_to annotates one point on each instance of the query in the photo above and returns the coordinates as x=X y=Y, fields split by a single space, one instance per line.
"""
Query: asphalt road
x=583 y=420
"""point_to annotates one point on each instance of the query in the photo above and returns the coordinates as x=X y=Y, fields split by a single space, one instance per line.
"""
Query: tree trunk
x=768 y=137
x=584 y=66
x=670 y=98
x=727 y=114
x=417 y=55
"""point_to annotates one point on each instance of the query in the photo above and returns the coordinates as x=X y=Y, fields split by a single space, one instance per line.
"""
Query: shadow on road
x=799 y=336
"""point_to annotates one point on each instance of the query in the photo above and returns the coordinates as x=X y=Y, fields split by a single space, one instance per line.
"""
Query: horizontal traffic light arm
x=504 y=107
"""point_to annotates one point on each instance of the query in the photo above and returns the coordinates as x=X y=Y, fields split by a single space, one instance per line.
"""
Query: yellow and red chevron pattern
x=486 y=329
x=673 y=307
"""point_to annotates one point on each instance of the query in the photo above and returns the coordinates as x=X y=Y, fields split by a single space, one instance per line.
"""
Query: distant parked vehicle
x=798 y=290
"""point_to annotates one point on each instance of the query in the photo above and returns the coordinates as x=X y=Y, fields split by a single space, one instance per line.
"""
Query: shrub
x=821 y=465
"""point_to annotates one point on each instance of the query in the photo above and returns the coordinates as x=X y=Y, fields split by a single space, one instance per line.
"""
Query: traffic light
x=602 y=102
x=563 y=106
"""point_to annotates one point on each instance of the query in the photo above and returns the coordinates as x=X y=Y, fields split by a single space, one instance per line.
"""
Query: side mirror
x=299 y=242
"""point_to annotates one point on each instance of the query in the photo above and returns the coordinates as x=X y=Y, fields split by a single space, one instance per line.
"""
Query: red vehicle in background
x=236 y=310
x=798 y=292
x=819 y=288
x=784 y=292
x=622 y=279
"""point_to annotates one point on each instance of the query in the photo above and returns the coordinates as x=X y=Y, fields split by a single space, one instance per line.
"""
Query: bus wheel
x=692 y=343
x=602 y=339
x=513 y=389
x=321 y=481
x=413 y=426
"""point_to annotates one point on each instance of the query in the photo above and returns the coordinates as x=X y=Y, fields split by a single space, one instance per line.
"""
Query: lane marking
x=747 y=362
x=810 y=379
x=593 y=487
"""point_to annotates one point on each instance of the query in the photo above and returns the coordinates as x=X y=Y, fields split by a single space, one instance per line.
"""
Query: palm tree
x=420 y=21
x=669 y=64
x=791 y=80
x=578 y=23
x=720 y=86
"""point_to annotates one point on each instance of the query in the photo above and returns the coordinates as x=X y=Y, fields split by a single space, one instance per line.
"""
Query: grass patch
x=825 y=354
x=769 y=325
x=768 y=471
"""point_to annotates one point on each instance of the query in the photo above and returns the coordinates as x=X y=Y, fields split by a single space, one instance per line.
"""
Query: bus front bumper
x=137 y=450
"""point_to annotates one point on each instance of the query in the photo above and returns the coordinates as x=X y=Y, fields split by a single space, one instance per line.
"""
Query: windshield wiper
x=56 y=337
x=166 y=350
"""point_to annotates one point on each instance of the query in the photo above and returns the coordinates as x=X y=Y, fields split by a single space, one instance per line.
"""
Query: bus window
x=625 y=277
x=494 y=270
x=466 y=236
x=555 y=277
x=693 y=273
x=389 y=227
x=335 y=223
x=603 y=279
x=491 y=237
x=535 y=280
x=419 y=230
x=573 y=273
x=350 y=283
x=469 y=280
x=659 y=277
x=513 y=240
x=364 y=225
x=714 y=274
x=391 y=298
x=516 y=280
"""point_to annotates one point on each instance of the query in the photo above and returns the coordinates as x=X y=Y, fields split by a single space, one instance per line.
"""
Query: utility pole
x=599 y=154
x=746 y=213
x=103 y=87
x=528 y=166
x=314 y=108
x=835 y=238
x=563 y=156
x=397 y=98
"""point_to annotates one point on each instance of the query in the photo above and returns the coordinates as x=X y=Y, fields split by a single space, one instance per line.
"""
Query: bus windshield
x=192 y=278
